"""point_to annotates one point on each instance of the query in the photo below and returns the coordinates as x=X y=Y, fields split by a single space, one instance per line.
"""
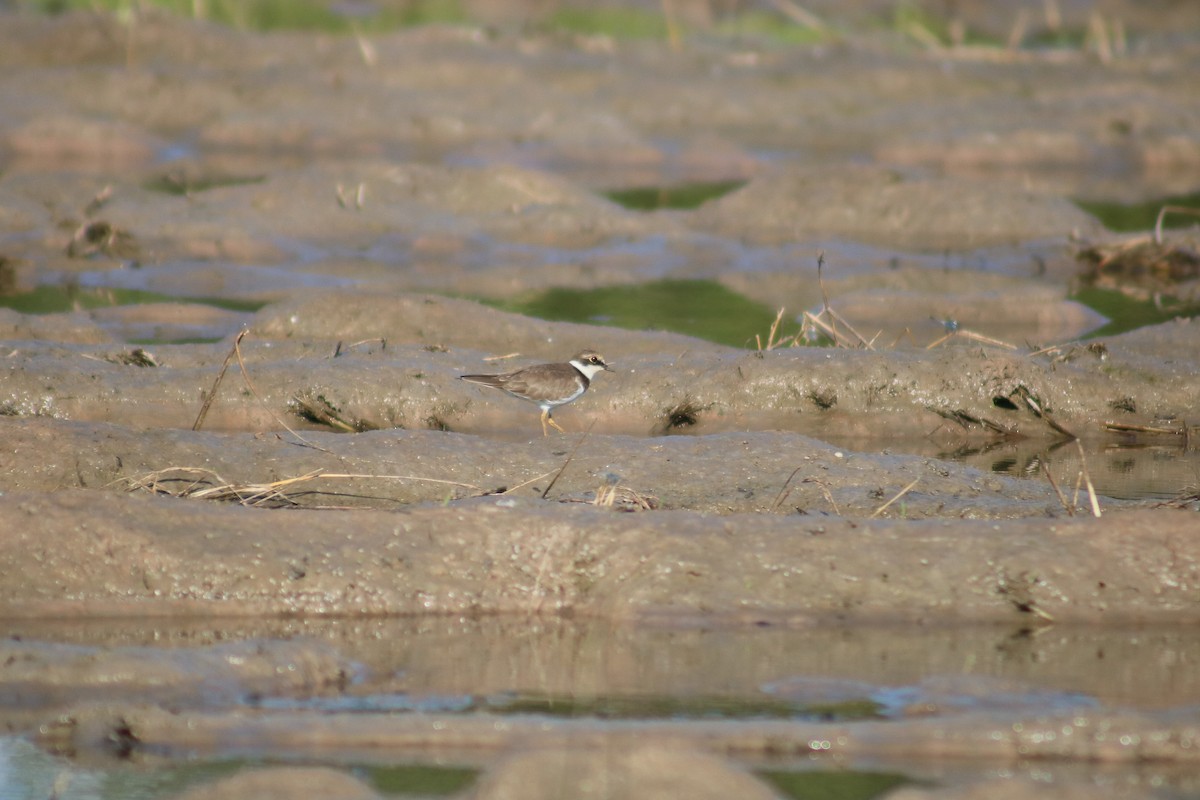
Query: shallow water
x=605 y=678
x=278 y=142
x=1123 y=467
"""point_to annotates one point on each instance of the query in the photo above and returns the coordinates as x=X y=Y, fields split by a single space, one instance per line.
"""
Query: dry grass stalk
x=236 y=352
x=1054 y=348
x=861 y=340
x=824 y=487
x=1033 y=405
x=821 y=284
x=199 y=483
x=523 y=484
x=570 y=456
x=1162 y=212
x=674 y=37
x=205 y=484
x=1016 y=34
x=976 y=337
x=1054 y=485
x=1087 y=479
x=1053 y=15
x=318 y=410
x=813 y=321
x=99 y=201
x=832 y=325
x=614 y=495
x=1121 y=427
x=1108 y=40
x=340 y=348
x=366 y=49
x=771 y=343
x=800 y=16
x=212 y=393
x=965 y=420
x=137 y=357
x=1187 y=496
x=898 y=495
x=784 y=491
x=359 y=199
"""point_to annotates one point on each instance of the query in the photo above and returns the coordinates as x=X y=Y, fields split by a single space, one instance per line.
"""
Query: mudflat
x=250 y=511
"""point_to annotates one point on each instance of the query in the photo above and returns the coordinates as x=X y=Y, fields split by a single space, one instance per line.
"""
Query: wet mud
x=259 y=539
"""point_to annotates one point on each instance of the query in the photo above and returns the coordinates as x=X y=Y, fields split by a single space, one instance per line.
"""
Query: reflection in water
x=1164 y=468
x=1117 y=666
x=611 y=676
x=1125 y=472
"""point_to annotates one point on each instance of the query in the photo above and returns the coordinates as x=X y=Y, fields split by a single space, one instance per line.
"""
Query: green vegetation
x=684 y=196
x=420 y=779
x=1130 y=217
x=263 y=15
x=1127 y=313
x=57 y=299
x=704 y=309
x=182 y=185
x=681 y=707
x=830 y=785
x=926 y=27
x=752 y=24
x=621 y=23
x=626 y=23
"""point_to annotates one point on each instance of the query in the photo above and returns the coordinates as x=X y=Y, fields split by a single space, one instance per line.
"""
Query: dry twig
x=1087 y=479
x=1054 y=485
x=899 y=494
x=212 y=393
x=563 y=468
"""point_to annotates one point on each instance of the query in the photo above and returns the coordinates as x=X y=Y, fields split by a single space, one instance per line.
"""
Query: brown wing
x=537 y=383
x=495 y=381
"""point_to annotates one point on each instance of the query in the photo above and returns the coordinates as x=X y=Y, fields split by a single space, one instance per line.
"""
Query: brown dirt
x=808 y=524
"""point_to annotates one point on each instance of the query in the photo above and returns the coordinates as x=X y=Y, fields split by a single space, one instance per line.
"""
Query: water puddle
x=601 y=706
x=29 y=773
x=1126 y=313
x=599 y=680
x=1122 y=466
x=138 y=316
x=60 y=298
x=704 y=309
x=708 y=310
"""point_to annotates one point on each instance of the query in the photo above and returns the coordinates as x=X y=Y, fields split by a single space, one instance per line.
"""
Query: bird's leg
x=547 y=418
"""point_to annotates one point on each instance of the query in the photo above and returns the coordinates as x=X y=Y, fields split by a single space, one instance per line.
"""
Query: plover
x=548 y=385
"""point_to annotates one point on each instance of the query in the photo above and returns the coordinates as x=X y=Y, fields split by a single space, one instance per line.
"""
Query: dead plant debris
x=314 y=407
x=205 y=484
x=967 y=420
x=824 y=399
x=102 y=238
x=137 y=357
x=1141 y=262
x=1019 y=592
x=683 y=414
x=623 y=498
